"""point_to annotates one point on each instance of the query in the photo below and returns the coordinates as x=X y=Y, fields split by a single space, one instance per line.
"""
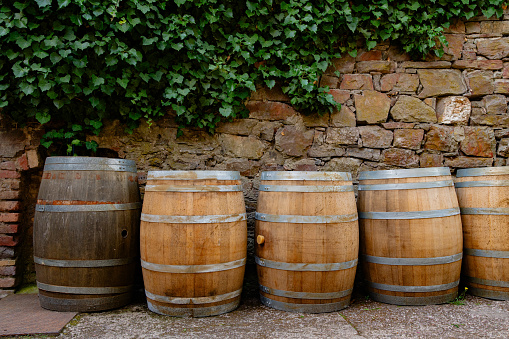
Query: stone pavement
x=364 y=318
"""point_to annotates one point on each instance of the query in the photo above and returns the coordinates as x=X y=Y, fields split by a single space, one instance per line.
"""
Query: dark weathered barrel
x=411 y=241
x=483 y=195
x=193 y=242
x=307 y=240
x=86 y=233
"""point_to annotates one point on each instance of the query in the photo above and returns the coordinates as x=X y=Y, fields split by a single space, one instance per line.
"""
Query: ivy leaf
x=43 y=3
x=19 y=71
x=270 y=83
x=123 y=82
x=370 y=44
x=55 y=58
x=97 y=81
x=94 y=101
x=42 y=117
x=22 y=43
x=226 y=111
x=45 y=85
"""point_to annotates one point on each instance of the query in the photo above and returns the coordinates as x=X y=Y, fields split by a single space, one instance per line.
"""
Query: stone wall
x=396 y=113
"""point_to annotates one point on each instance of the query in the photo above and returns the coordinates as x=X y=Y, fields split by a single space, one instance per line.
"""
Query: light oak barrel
x=86 y=233
x=193 y=242
x=307 y=240
x=483 y=195
x=411 y=240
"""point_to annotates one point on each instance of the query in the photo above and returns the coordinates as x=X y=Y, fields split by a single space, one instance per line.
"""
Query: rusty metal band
x=305 y=267
x=193 y=268
x=193 y=189
x=412 y=289
x=493 y=183
x=84 y=304
x=89 y=167
x=407 y=186
x=305 y=308
x=486 y=253
x=494 y=283
x=89 y=160
x=305 y=295
x=84 y=290
x=485 y=211
x=306 y=175
x=405 y=173
x=88 y=208
x=490 y=294
x=306 y=219
x=410 y=215
x=311 y=189
x=414 y=301
x=478 y=172
x=412 y=261
x=193 y=219
x=83 y=263
x=193 y=175
x=195 y=300
x=197 y=312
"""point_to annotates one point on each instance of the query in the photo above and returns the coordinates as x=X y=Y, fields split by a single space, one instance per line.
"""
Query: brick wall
x=396 y=113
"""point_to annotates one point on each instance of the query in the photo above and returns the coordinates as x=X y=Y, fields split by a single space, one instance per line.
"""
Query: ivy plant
x=75 y=63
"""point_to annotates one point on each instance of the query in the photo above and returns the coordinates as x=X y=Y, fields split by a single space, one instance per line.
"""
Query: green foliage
x=78 y=62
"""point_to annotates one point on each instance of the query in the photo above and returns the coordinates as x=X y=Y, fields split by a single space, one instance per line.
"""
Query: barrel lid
x=89 y=164
x=305 y=175
x=477 y=172
x=193 y=175
x=405 y=173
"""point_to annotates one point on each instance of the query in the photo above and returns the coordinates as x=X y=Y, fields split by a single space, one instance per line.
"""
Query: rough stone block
x=493 y=48
x=344 y=118
x=395 y=53
x=503 y=147
x=271 y=94
x=440 y=82
x=266 y=129
x=431 y=160
x=505 y=71
x=7 y=262
x=9 y=206
x=495 y=104
x=340 y=95
x=294 y=140
x=8 y=165
x=400 y=82
x=357 y=81
x=479 y=142
x=400 y=157
x=468 y=162
x=473 y=27
x=408 y=138
x=480 y=83
x=501 y=133
x=7 y=270
x=456 y=27
x=493 y=65
x=441 y=138
x=490 y=120
x=11 y=142
x=372 y=107
x=325 y=151
x=376 y=66
x=7 y=252
x=369 y=55
x=453 y=110
x=9 y=195
x=375 y=137
x=343 y=165
x=263 y=110
x=6 y=174
x=8 y=282
x=364 y=153
x=238 y=127
x=242 y=147
x=424 y=64
x=22 y=162
x=411 y=109
x=344 y=65
x=342 y=136
x=301 y=165
x=316 y=120
x=329 y=81
x=455 y=41
x=501 y=86
x=396 y=125
x=247 y=168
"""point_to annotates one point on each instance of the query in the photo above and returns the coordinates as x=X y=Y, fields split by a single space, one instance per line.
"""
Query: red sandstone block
x=9 y=195
x=6 y=174
x=8 y=240
x=9 y=206
x=8 y=282
x=23 y=162
x=9 y=228
x=9 y=217
x=8 y=270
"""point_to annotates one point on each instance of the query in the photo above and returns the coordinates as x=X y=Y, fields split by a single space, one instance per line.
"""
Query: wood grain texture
x=486 y=232
x=308 y=243
x=410 y=238
x=190 y=244
x=76 y=236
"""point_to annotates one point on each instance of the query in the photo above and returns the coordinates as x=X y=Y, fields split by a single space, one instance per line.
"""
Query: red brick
x=8 y=270
x=9 y=195
x=8 y=282
x=10 y=184
x=6 y=174
x=9 y=228
x=8 y=240
x=8 y=165
x=23 y=162
x=9 y=217
x=9 y=206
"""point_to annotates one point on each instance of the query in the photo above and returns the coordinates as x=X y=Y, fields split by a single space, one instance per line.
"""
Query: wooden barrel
x=483 y=195
x=411 y=241
x=193 y=242
x=86 y=233
x=307 y=240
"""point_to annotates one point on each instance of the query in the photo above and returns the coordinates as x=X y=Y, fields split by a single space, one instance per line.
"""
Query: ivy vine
x=78 y=62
